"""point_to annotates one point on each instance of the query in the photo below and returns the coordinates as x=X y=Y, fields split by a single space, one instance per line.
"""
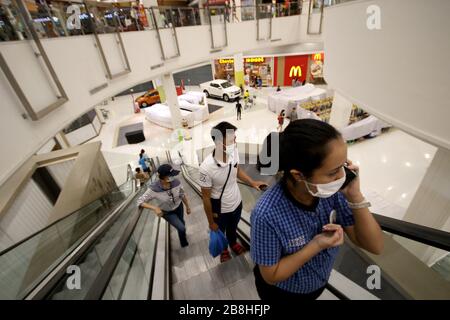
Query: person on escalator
x=298 y=224
x=222 y=199
x=168 y=192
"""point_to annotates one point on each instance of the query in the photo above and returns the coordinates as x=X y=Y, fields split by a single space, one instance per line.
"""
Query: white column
x=340 y=112
x=203 y=12
x=239 y=69
x=172 y=99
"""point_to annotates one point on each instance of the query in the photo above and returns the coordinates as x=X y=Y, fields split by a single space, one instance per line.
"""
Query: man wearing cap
x=168 y=197
x=218 y=179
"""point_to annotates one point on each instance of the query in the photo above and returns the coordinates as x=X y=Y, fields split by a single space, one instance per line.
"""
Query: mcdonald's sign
x=296 y=71
x=317 y=57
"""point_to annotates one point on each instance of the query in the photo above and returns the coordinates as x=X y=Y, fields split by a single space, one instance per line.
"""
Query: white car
x=221 y=89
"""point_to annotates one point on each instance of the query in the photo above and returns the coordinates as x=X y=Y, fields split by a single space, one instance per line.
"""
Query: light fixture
x=427 y=156
x=403 y=195
x=390 y=188
x=408 y=164
x=384 y=159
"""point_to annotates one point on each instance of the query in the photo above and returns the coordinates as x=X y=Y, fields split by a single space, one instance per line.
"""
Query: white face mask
x=326 y=190
x=229 y=150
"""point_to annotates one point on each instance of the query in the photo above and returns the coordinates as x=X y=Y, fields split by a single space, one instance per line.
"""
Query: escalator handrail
x=419 y=233
x=51 y=225
x=45 y=286
x=101 y=282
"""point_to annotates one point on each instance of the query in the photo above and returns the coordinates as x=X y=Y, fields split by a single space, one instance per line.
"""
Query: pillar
x=239 y=69
x=171 y=99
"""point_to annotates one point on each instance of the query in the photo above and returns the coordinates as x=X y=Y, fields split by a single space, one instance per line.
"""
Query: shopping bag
x=217 y=242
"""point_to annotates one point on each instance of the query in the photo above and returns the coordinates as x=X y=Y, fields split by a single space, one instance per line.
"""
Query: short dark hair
x=219 y=131
x=142 y=151
x=138 y=170
x=303 y=145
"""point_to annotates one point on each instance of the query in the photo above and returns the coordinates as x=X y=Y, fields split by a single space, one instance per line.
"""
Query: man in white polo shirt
x=221 y=195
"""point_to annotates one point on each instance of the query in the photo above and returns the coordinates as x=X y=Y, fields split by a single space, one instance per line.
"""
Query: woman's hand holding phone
x=352 y=191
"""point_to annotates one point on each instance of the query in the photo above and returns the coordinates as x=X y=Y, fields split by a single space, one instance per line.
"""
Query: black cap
x=166 y=170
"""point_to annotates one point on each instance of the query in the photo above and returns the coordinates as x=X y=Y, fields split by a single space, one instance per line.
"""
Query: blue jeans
x=175 y=218
x=228 y=223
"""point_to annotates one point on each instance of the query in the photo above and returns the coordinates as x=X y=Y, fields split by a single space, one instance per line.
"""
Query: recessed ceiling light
x=408 y=164
x=403 y=195
x=427 y=156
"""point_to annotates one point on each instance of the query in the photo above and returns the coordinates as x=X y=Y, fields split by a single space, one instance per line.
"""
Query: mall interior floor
x=196 y=275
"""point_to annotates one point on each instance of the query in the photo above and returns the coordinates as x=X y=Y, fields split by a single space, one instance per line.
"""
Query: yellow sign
x=296 y=71
x=224 y=61
x=318 y=56
x=257 y=59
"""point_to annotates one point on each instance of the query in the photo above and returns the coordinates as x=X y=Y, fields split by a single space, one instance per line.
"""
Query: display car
x=149 y=98
x=221 y=89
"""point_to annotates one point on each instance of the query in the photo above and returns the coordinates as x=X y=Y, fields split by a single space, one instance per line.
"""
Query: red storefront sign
x=294 y=67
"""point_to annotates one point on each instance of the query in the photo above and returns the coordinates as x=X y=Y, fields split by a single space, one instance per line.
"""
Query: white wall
x=79 y=68
x=30 y=212
x=60 y=171
x=400 y=73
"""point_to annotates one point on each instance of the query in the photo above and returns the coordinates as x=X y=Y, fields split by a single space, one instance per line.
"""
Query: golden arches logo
x=317 y=56
x=296 y=71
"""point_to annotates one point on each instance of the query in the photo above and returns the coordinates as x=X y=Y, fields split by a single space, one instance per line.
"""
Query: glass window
x=226 y=85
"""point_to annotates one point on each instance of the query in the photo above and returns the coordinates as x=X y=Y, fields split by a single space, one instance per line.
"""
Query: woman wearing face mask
x=298 y=224
x=168 y=193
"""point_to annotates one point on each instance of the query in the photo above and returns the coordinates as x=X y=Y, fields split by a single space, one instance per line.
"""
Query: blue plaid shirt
x=280 y=227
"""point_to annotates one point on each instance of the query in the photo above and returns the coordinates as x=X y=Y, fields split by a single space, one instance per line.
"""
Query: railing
x=52 y=19
x=19 y=278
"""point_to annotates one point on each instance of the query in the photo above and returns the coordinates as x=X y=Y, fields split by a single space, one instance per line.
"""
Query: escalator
x=403 y=275
x=89 y=254
x=113 y=250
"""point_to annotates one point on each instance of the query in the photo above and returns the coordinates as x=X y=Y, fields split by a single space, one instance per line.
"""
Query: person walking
x=219 y=174
x=293 y=115
x=143 y=163
x=298 y=225
x=170 y=196
x=280 y=121
x=141 y=176
x=238 y=109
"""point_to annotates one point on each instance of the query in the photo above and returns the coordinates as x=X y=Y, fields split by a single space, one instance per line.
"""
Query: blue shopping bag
x=217 y=242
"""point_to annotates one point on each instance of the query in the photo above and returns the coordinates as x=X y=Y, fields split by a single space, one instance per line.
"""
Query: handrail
x=426 y=235
x=100 y=283
x=52 y=224
x=46 y=285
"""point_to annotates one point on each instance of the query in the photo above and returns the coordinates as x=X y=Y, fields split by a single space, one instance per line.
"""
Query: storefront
x=305 y=68
x=224 y=69
x=274 y=71
x=258 y=67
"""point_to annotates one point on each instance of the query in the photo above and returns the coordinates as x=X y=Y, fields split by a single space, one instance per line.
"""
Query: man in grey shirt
x=167 y=195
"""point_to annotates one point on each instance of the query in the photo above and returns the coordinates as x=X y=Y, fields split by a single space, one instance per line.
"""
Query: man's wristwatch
x=359 y=205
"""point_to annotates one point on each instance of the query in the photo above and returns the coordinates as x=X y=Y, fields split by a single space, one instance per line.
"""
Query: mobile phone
x=349 y=176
